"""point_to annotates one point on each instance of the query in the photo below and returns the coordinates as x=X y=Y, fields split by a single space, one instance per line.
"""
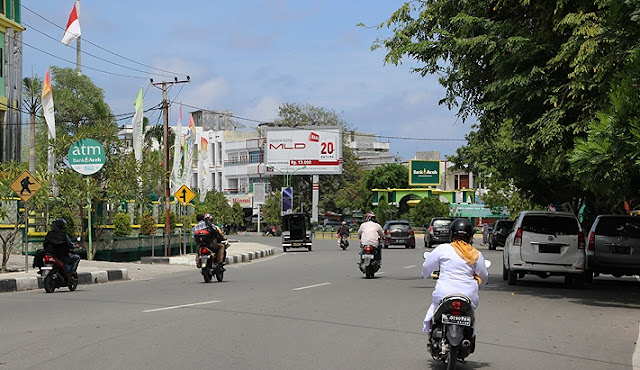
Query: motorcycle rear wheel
x=49 y=283
x=368 y=272
x=452 y=359
x=206 y=274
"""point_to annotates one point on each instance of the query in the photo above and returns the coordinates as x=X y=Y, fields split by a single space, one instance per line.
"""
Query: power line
x=101 y=48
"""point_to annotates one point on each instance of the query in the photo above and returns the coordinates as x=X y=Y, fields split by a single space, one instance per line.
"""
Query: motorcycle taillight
x=48 y=259
x=367 y=249
x=204 y=250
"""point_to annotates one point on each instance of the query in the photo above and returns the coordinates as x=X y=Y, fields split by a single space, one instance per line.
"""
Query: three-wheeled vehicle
x=296 y=231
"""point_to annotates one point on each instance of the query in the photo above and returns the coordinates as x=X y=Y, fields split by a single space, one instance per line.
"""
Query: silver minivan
x=545 y=243
x=614 y=246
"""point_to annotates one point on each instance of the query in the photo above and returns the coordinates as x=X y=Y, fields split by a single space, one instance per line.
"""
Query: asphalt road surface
x=314 y=310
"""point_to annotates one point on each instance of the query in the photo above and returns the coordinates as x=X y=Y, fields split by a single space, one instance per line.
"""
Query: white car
x=545 y=243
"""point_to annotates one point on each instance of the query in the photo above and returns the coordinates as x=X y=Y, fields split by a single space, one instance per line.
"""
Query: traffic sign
x=184 y=194
x=25 y=186
x=86 y=156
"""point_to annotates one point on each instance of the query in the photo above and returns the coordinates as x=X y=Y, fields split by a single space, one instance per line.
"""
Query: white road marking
x=409 y=267
x=180 y=306
x=635 y=361
x=381 y=273
x=311 y=286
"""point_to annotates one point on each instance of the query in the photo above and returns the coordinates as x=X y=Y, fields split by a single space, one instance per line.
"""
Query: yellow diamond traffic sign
x=25 y=186
x=184 y=194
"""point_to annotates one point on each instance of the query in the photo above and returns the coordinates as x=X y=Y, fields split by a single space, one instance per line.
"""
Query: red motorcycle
x=55 y=274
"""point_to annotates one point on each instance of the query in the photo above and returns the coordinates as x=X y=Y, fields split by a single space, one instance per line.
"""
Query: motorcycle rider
x=59 y=244
x=370 y=232
x=205 y=222
x=343 y=231
x=462 y=268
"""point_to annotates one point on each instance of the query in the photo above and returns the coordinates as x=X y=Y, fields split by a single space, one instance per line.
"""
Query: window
x=254 y=157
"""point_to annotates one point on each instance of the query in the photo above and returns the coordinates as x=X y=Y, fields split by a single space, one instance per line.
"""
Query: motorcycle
x=55 y=274
x=368 y=263
x=210 y=268
x=343 y=242
x=451 y=338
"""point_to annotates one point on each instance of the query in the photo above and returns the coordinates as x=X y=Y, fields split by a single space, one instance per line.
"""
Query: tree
x=271 y=210
x=384 y=212
x=534 y=74
x=427 y=209
x=237 y=216
x=388 y=176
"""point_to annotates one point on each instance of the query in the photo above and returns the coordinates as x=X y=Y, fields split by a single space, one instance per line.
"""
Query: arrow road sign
x=184 y=194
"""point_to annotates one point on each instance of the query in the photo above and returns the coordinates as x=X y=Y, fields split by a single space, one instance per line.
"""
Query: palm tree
x=31 y=90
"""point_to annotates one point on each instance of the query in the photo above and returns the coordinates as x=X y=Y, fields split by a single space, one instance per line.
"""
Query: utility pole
x=167 y=196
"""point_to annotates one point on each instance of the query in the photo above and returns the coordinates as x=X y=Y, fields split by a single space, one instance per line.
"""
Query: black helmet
x=58 y=224
x=461 y=228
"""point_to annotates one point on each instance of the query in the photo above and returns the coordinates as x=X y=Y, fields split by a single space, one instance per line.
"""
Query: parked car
x=614 y=246
x=499 y=232
x=398 y=232
x=545 y=243
x=438 y=231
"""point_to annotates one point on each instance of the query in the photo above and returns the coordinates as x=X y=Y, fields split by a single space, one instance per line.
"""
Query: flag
x=72 y=31
x=48 y=111
x=203 y=160
x=136 y=122
x=189 y=144
x=204 y=145
x=47 y=106
x=176 y=172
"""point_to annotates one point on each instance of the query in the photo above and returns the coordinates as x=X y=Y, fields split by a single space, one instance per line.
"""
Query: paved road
x=313 y=310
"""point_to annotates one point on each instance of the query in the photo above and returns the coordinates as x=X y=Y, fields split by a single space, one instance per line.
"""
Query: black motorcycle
x=368 y=264
x=208 y=265
x=343 y=242
x=54 y=273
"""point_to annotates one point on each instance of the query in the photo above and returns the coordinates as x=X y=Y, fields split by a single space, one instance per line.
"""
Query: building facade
x=10 y=81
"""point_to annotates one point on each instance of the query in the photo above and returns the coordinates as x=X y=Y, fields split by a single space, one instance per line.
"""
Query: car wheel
x=578 y=281
x=512 y=277
x=568 y=281
x=588 y=276
x=505 y=273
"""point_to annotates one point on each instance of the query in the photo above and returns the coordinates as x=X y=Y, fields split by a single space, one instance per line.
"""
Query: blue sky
x=248 y=57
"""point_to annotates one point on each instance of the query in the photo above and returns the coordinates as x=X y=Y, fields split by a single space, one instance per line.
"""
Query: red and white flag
x=73 y=26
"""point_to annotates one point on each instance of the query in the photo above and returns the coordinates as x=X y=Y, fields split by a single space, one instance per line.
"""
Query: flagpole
x=78 y=65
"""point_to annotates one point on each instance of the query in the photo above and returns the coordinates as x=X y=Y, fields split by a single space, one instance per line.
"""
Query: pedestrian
x=485 y=233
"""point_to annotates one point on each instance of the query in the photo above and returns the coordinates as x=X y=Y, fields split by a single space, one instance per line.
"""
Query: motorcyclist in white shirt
x=370 y=233
x=462 y=268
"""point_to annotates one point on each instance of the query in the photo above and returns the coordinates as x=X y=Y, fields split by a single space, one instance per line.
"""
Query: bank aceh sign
x=86 y=156
x=423 y=173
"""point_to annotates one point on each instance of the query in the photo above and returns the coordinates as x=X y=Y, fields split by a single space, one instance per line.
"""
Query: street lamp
x=287 y=175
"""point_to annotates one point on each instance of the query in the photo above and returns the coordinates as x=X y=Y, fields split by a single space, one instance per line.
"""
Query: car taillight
x=431 y=229
x=204 y=250
x=517 y=239
x=592 y=241
x=388 y=232
x=411 y=232
x=367 y=249
x=581 y=240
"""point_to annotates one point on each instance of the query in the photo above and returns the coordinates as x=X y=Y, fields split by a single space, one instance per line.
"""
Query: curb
x=84 y=278
x=180 y=260
x=99 y=277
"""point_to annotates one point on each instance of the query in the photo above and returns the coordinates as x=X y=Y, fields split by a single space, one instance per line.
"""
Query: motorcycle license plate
x=204 y=258
x=456 y=320
x=367 y=257
x=46 y=268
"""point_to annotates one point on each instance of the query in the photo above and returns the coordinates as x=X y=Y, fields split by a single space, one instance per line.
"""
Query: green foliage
x=271 y=210
x=384 y=212
x=388 y=176
x=427 y=209
x=216 y=204
x=237 y=215
x=122 y=224
x=535 y=74
x=148 y=224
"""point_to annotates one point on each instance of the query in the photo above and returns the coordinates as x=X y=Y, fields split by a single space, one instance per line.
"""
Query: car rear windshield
x=619 y=226
x=442 y=222
x=400 y=226
x=556 y=225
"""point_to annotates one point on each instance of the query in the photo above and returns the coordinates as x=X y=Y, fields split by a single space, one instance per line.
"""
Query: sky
x=248 y=57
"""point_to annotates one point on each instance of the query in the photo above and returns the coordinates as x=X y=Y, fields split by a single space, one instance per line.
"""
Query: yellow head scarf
x=466 y=251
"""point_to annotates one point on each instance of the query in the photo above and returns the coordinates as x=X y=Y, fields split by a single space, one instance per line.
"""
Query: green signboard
x=422 y=173
x=474 y=210
x=86 y=156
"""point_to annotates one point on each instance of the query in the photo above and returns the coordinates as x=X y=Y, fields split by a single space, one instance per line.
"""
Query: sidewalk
x=94 y=272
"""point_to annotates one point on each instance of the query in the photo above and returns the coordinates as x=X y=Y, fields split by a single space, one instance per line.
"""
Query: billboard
x=304 y=151
x=424 y=173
